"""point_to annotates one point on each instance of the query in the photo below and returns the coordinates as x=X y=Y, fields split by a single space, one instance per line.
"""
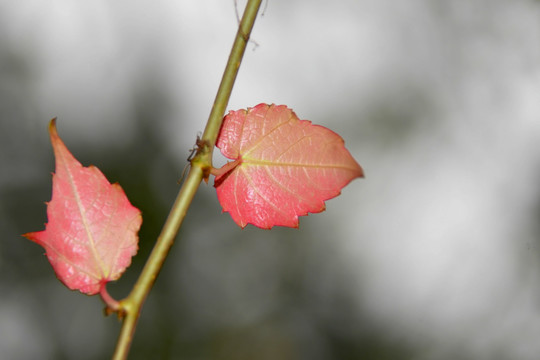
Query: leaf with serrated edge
x=91 y=234
x=284 y=167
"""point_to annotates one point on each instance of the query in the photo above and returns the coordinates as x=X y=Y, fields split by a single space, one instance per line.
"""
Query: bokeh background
x=434 y=255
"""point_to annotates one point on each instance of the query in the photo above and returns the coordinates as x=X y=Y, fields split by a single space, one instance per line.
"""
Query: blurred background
x=434 y=255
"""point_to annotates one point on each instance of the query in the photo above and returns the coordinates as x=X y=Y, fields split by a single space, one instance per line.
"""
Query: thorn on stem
x=200 y=144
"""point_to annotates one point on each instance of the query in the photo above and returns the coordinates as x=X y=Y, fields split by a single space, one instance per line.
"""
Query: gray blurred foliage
x=433 y=256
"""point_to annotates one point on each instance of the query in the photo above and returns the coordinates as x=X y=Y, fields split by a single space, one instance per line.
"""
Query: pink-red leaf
x=92 y=230
x=283 y=167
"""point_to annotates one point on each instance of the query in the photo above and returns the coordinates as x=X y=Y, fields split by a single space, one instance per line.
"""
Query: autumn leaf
x=283 y=167
x=92 y=227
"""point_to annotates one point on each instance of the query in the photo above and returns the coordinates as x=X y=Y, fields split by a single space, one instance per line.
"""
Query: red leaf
x=284 y=167
x=92 y=230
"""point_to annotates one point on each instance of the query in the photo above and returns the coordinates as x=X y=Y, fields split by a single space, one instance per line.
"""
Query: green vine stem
x=129 y=308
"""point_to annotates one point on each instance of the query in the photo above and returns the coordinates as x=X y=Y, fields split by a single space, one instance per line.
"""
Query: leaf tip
x=34 y=237
x=360 y=172
x=55 y=138
x=52 y=126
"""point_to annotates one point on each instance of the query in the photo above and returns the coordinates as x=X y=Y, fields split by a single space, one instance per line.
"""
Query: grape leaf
x=283 y=167
x=92 y=230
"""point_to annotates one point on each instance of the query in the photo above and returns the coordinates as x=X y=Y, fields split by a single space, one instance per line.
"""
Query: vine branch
x=201 y=165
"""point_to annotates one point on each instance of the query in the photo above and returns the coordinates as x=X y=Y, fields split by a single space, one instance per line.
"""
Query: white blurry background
x=434 y=255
